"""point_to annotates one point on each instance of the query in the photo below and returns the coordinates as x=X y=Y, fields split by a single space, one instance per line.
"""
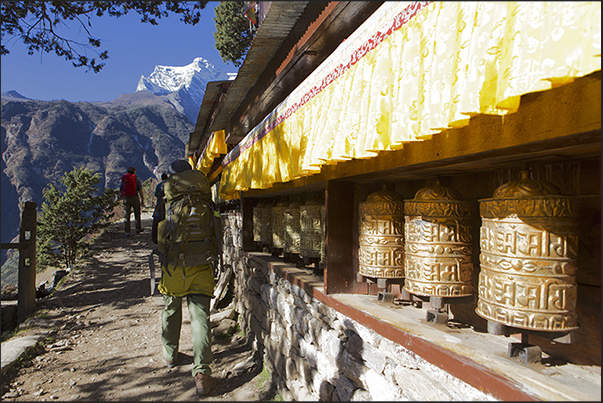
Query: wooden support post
x=339 y=216
x=247 y=222
x=27 y=263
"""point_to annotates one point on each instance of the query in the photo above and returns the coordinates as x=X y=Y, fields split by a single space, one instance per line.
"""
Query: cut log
x=221 y=287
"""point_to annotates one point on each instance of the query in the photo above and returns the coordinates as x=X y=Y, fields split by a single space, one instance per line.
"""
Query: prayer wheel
x=312 y=229
x=266 y=226
x=258 y=217
x=278 y=225
x=529 y=247
x=381 y=242
x=438 y=243
x=292 y=228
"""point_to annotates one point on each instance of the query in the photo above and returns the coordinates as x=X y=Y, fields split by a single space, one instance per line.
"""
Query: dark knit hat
x=179 y=166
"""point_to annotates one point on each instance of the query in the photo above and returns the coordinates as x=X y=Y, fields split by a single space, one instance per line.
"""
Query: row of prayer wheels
x=292 y=227
x=528 y=247
x=528 y=250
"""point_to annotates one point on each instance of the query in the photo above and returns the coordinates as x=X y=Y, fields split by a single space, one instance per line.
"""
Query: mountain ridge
x=184 y=86
x=41 y=140
x=147 y=129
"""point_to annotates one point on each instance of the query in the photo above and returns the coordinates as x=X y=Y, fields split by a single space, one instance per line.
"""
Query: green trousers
x=171 y=323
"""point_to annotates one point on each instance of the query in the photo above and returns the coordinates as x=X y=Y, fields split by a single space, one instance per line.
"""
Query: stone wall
x=318 y=353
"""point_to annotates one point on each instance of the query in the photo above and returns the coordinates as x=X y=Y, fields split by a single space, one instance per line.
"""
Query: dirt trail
x=104 y=341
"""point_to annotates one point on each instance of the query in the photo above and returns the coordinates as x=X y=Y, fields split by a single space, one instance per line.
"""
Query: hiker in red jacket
x=131 y=193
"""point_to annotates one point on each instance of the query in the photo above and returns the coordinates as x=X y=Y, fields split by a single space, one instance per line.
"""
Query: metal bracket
x=436 y=317
x=525 y=353
x=319 y=268
x=385 y=297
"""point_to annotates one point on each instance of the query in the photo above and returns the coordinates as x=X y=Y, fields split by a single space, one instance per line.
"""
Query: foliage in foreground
x=70 y=216
x=40 y=25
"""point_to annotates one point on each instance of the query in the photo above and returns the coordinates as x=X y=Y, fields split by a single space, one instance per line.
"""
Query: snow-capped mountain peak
x=187 y=81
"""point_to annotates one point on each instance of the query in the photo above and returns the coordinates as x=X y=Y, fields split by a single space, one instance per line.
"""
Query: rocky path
x=103 y=339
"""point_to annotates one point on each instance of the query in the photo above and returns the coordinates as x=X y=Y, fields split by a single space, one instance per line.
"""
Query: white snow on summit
x=193 y=78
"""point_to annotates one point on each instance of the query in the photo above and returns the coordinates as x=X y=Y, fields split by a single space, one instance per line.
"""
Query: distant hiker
x=131 y=193
x=159 y=212
x=188 y=246
x=159 y=193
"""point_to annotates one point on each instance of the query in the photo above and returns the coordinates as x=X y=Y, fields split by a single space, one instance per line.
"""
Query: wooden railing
x=26 y=303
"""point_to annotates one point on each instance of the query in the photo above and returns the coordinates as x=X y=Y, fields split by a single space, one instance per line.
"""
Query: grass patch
x=7 y=335
x=263 y=377
x=266 y=386
x=239 y=330
x=277 y=398
x=26 y=325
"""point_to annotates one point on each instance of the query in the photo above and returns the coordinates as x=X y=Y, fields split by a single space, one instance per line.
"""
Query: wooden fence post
x=27 y=262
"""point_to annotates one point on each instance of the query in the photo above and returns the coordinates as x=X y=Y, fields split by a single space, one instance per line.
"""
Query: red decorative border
x=399 y=20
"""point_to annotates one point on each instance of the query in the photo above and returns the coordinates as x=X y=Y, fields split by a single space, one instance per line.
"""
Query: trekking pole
x=152 y=270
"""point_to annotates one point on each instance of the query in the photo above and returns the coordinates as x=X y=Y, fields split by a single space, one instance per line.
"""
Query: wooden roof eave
x=316 y=34
x=271 y=34
x=211 y=100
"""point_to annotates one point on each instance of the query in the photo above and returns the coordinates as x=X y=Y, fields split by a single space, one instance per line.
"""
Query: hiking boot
x=204 y=383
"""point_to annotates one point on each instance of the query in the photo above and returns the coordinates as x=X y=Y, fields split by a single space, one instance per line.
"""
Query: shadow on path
x=105 y=338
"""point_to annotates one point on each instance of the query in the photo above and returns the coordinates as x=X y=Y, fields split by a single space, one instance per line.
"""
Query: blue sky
x=135 y=49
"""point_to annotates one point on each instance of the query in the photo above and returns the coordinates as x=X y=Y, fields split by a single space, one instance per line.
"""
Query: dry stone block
x=325 y=391
x=351 y=367
x=314 y=329
x=301 y=322
x=225 y=328
x=217 y=317
x=361 y=395
x=379 y=388
x=308 y=351
x=373 y=358
x=344 y=388
x=399 y=354
x=355 y=345
x=291 y=371
x=254 y=285
x=330 y=343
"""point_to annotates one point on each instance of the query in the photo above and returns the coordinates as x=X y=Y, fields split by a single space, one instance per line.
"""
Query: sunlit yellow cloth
x=216 y=146
x=441 y=63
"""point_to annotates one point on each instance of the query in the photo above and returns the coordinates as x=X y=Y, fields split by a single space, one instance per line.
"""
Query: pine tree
x=68 y=217
x=233 y=35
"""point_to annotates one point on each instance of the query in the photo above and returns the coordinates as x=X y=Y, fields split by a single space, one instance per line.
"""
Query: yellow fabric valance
x=215 y=147
x=411 y=70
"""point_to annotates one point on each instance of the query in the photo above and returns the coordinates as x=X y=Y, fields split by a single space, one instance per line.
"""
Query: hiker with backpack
x=188 y=232
x=133 y=199
x=159 y=211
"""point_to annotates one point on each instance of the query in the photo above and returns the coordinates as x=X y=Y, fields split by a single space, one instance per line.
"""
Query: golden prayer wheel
x=312 y=229
x=381 y=243
x=438 y=243
x=278 y=225
x=292 y=228
x=266 y=225
x=258 y=217
x=529 y=247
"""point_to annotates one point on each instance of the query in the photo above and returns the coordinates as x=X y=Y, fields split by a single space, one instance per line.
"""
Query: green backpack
x=189 y=234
